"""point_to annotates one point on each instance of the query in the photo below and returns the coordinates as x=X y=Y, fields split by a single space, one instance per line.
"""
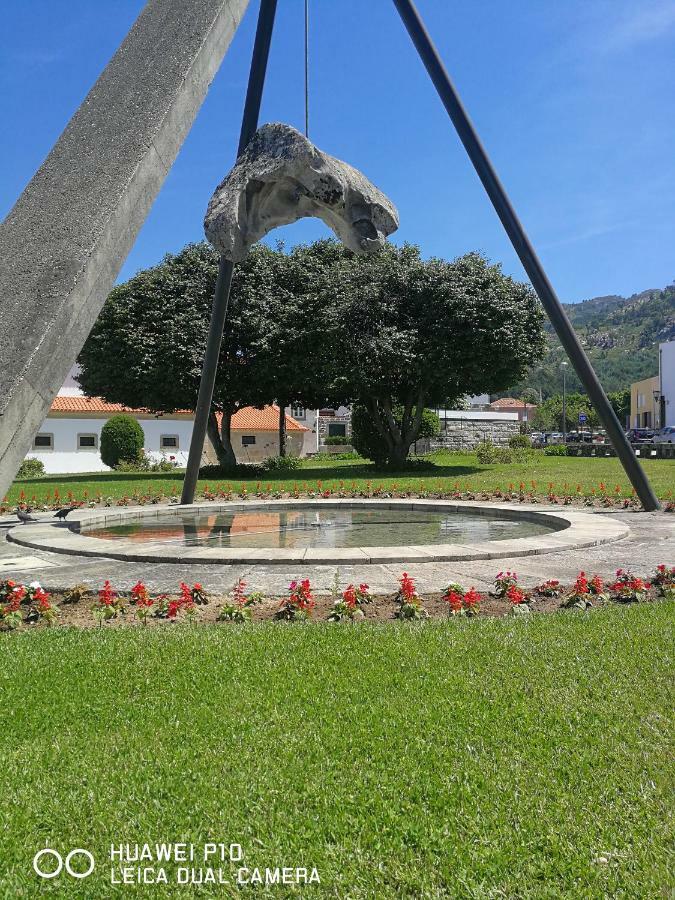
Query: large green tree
x=294 y=331
x=408 y=334
x=147 y=347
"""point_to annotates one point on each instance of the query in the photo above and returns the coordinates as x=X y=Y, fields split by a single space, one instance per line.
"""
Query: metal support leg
x=249 y=125
x=524 y=249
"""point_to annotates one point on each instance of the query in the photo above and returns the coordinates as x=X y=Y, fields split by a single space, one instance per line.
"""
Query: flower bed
x=32 y=606
x=595 y=496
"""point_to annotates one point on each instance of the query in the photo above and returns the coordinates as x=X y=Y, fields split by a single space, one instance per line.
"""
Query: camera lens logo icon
x=49 y=863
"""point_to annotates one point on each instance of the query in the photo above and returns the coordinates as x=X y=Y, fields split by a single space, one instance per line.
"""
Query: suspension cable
x=307 y=68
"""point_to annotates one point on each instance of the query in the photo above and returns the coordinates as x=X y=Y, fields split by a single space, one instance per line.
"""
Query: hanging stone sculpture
x=282 y=177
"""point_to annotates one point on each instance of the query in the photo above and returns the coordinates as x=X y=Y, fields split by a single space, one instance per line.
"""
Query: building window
x=298 y=412
x=87 y=441
x=247 y=440
x=43 y=442
x=337 y=429
x=168 y=442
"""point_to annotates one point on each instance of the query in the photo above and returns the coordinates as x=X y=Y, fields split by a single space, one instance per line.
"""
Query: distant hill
x=621 y=336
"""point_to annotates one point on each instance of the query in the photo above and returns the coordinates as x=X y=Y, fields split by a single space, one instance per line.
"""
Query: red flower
x=106 y=595
x=140 y=594
x=472 y=599
x=581 y=584
x=238 y=592
x=514 y=595
x=407 y=586
x=596 y=585
x=454 y=600
x=349 y=596
x=173 y=608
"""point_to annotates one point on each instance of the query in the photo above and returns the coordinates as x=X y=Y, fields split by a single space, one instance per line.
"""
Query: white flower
x=35 y=585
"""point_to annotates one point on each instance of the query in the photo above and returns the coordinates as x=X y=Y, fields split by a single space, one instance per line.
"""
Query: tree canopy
x=316 y=326
x=411 y=333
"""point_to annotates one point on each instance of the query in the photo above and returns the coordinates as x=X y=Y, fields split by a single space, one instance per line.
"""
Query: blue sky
x=573 y=100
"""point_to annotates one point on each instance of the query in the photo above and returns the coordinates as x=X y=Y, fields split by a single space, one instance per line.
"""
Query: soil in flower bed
x=383 y=608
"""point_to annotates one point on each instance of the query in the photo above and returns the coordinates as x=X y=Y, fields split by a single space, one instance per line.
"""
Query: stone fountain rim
x=576 y=530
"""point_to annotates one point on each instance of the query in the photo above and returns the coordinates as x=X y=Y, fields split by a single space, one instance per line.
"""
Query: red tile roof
x=266 y=419
x=89 y=404
x=508 y=403
x=246 y=419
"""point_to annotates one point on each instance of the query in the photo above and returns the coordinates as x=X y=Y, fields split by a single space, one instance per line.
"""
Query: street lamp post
x=657 y=408
x=564 y=403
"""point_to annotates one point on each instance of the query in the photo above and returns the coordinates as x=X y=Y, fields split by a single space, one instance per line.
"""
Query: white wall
x=310 y=441
x=667 y=379
x=66 y=457
x=476 y=415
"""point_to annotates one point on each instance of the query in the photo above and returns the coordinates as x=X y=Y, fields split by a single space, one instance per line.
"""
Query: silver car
x=665 y=435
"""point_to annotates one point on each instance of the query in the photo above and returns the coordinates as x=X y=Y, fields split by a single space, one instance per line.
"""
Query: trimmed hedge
x=122 y=440
x=31 y=468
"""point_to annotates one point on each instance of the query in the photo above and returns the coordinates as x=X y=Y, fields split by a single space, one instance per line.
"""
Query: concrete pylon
x=64 y=242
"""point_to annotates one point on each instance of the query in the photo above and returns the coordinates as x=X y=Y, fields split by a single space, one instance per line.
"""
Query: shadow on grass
x=348 y=472
x=101 y=477
x=370 y=473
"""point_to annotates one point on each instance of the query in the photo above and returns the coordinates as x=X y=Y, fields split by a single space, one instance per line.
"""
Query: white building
x=667 y=383
x=322 y=423
x=68 y=439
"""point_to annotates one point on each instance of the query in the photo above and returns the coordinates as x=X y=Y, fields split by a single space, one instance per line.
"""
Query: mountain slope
x=621 y=336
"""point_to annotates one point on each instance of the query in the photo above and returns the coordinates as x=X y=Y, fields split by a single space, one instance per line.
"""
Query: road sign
x=582 y=418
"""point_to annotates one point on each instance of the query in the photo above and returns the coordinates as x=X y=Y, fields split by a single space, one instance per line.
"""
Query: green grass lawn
x=476 y=759
x=444 y=469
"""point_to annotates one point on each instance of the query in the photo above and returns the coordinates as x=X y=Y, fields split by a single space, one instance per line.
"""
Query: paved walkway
x=651 y=541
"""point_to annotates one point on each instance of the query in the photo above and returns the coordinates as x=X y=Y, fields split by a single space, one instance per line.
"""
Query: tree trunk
x=220 y=440
x=399 y=454
x=282 y=428
x=226 y=438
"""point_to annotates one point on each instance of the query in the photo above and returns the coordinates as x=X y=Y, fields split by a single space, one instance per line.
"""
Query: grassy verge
x=537 y=474
x=469 y=759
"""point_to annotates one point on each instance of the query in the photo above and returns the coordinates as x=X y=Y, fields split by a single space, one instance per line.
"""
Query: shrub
x=520 y=442
x=31 y=468
x=145 y=463
x=337 y=440
x=281 y=463
x=121 y=441
x=555 y=450
x=489 y=453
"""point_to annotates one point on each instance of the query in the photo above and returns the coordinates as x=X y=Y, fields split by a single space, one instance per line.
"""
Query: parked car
x=579 y=437
x=640 y=435
x=537 y=438
x=599 y=437
x=555 y=437
x=665 y=435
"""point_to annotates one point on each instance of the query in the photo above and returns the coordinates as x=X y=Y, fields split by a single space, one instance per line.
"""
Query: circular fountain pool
x=296 y=528
x=318 y=531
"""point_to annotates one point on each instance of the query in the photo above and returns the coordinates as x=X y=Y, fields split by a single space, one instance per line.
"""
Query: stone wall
x=465 y=434
x=325 y=421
